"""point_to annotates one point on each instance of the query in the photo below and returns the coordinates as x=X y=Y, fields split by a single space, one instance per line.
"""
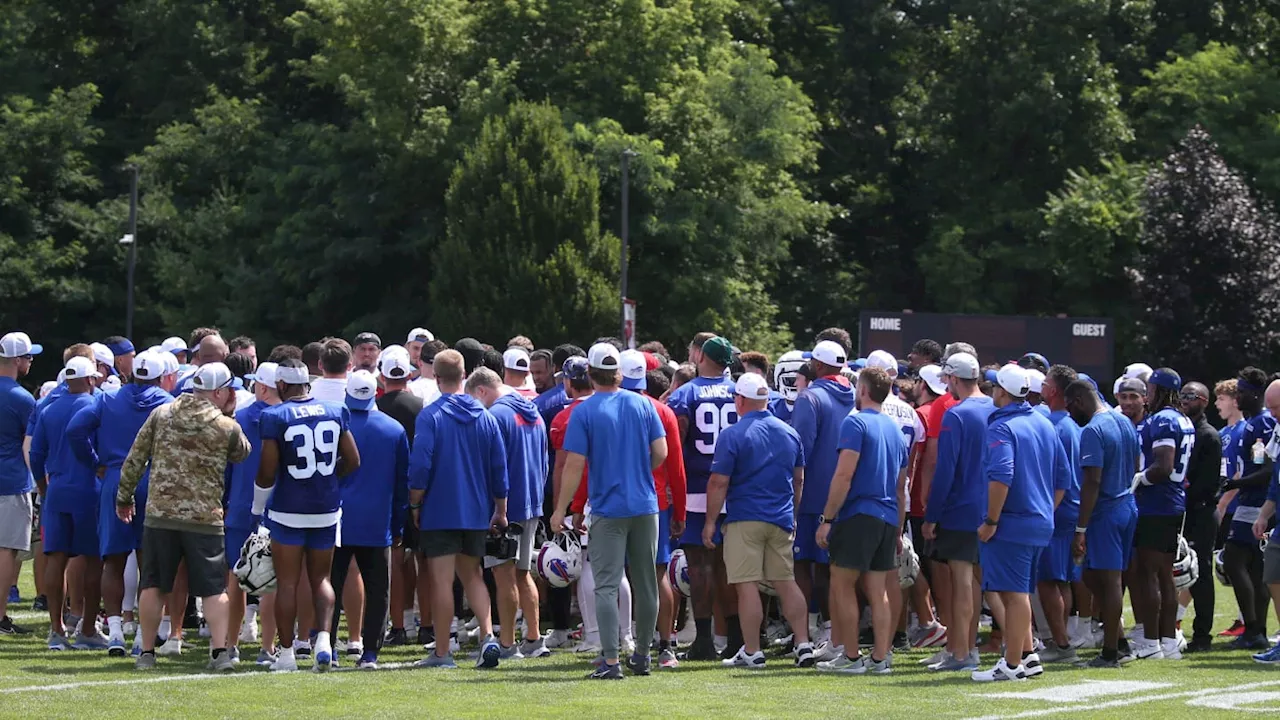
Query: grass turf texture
x=36 y=683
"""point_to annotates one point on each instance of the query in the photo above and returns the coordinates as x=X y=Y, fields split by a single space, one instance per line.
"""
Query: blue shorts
x=234 y=538
x=1056 y=561
x=1241 y=533
x=310 y=538
x=664 y=537
x=71 y=533
x=1109 y=538
x=1009 y=566
x=692 y=534
x=115 y=537
x=805 y=548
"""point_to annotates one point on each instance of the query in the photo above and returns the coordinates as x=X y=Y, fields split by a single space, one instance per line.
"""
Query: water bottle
x=1259 y=452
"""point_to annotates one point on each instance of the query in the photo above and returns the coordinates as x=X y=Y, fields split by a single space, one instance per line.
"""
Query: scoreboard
x=1085 y=343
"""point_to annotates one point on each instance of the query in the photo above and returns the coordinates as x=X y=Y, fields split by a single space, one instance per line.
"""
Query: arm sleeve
x=575 y=435
x=653 y=423
x=851 y=434
x=80 y=432
x=677 y=481
x=400 y=496
x=998 y=456
x=945 y=473
x=679 y=402
x=424 y=440
x=1090 y=447
x=238 y=447
x=135 y=463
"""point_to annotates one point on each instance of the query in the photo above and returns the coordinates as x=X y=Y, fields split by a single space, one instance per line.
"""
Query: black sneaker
x=1200 y=644
x=867 y=638
x=41 y=604
x=8 y=628
x=426 y=635
x=395 y=636
x=701 y=649
x=607 y=672
x=900 y=642
x=1101 y=662
x=639 y=664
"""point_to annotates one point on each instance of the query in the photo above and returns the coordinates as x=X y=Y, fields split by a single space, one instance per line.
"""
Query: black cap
x=365 y=338
x=472 y=353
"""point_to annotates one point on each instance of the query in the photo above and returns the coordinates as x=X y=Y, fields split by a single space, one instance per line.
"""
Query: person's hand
x=929 y=531
x=498 y=522
x=557 y=521
x=125 y=512
x=677 y=528
x=1078 y=545
x=986 y=532
x=396 y=541
x=1259 y=528
x=709 y=534
x=899 y=548
x=820 y=537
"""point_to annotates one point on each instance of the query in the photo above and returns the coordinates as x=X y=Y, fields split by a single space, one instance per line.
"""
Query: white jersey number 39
x=315 y=444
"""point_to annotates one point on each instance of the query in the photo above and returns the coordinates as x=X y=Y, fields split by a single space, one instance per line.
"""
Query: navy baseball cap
x=575 y=368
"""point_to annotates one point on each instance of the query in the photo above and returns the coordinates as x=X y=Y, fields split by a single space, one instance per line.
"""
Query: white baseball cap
x=1139 y=370
x=932 y=375
x=884 y=360
x=362 y=390
x=265 y=373
x=633 y=370
x=292 y=375
x=80 y=367
x=149 y=366
x=961 y=365
x=604 y=356
x=394 y=363
x=17 y=344
x=171 y=366
x=754 y=387
x=1014 y=379
x=47 y=387
x=830 y=353
x=422 y=335
x=112 y=382
x=516 y=359
x=174 y=345
x=102 y=354
x=1035 y=380
x=213 y=376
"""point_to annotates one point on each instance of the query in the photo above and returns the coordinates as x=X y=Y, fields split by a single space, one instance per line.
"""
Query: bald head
x=1272 y=398
x=212 y=349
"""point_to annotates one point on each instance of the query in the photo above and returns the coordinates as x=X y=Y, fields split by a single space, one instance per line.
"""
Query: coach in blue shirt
x=16 y=407
x=618 y=437
x=1026 y=468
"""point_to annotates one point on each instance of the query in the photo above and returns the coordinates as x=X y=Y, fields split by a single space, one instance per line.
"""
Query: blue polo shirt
x=958 y=495
x=881 y=455
x=16 y=407
x=1068 y=511
x=759 y=455
x=1024 y=453
x=613 y=431
x=1110 y=442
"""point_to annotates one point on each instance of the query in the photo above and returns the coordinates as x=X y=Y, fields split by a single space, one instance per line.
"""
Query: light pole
x=626 y=230
x=130 y=240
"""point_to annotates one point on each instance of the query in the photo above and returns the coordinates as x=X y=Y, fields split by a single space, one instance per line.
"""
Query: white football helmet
x=908 y=564
x=784 y=374
x=678 y=573
x=255 y=570
x=1186 y=569
x=560 y=559
x=1220 y=569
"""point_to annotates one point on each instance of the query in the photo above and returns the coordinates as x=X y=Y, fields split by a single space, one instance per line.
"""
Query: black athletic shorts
x=863 y=543
x=1158 y=532
x=438 y=543
x=958 y=545
x=162 y=551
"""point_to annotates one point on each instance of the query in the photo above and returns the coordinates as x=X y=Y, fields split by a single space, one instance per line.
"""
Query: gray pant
x=614 y=541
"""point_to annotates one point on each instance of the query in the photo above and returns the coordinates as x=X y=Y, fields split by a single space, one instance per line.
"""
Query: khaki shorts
x=755 y=551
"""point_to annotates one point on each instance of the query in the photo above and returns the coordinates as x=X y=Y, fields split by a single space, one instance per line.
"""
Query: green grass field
x=35 y=683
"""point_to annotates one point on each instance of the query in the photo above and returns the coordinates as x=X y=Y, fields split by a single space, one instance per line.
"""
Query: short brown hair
x=1230 y=388
x=483 y=377
x=877 y=383
x=201 y=333
x=336 y=356
x=839 y=336
x=521 y=342
x=701 y=338
x=79 y=349
x=448 y=367
x=604 y=378
x=757 y=360
x=655 y=347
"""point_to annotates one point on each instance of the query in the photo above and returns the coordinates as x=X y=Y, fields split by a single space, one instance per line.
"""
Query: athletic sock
x=703 y=628
x=1110 y=654
x=115 y=630
x=735 y=631
x=217 y=653
x=408 y=621
x=322 y=642
x=164 y=627
x=1182 y=611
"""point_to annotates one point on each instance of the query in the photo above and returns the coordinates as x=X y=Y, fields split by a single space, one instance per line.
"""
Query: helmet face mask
x=255 y=570
x=559 y=561
x=1186 y=569
x=784 y=374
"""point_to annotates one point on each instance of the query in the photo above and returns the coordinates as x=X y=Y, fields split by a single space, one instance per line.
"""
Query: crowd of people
x=836 y=508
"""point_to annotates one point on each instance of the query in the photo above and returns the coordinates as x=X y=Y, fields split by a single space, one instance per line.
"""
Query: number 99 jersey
x=707 y=404
x=307 y=433
x=1167 y=428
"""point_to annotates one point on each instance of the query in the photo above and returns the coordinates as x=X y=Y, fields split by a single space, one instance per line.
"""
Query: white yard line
x=187 y=678
x=1123 y=702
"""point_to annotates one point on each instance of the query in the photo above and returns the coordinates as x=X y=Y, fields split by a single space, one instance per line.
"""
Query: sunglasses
x=1189 y=397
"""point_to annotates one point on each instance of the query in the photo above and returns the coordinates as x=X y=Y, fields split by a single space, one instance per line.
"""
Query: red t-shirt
x=931 y=415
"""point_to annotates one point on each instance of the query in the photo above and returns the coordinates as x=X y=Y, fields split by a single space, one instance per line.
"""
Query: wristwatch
x=823 y=520
x=988 y=521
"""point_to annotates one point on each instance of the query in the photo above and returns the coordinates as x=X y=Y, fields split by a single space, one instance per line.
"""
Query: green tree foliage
x=1210 y=302
x=524 y=252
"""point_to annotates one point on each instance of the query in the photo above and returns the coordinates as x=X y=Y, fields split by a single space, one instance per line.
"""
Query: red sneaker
x=1236 y=630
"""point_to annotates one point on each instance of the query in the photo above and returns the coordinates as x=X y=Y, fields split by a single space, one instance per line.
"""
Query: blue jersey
x=781 y=409
x=307 y=432
x=1068 y=511
x=1167 y=428
x=1110 y=442
x=1258 y=428
x=1230 y=437
x=707 y=405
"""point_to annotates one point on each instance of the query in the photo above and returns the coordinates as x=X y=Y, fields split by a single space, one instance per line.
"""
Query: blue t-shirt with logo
x=881 y=456
x=759 y=455
x=1068 y=511
x=1110 y=442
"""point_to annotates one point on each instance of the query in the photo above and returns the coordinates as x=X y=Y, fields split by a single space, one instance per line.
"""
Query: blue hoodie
x=16 y=408
x=1067 y=514
x=817 y=416
x=103 y=433
x=460 y=462
x=1023 y=452
x=958 y=496
x=71 y=482
x=237 y=495
x=376 y=495
x=524 y=435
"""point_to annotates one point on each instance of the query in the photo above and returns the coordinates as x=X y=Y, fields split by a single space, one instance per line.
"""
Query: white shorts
x=524 y=548
x=15 y=522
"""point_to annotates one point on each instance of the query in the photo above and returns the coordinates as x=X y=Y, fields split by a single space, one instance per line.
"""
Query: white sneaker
x=1182 y=640
x=249 y=631
x=827 y=652
x=627 y=647
x=557 y=639
x=1169 y=649
x=1136 y=633
x=285 y=663
x=754 y=661
x=1000 y=672
x=1144 y=649
x=1031 y=664
x=586 y=647
x=823 y=635
x=937 y=657
x=171 y=648
x=129 y=628
x=721 y=643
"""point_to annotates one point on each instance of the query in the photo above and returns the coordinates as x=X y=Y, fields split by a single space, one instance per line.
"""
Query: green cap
x=719 y=350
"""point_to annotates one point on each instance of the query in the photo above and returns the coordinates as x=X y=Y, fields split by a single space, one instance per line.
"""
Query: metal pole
x=626 y=230
x=133 y=248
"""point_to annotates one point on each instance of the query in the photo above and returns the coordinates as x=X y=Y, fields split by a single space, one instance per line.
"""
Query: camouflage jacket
x=188 y=444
